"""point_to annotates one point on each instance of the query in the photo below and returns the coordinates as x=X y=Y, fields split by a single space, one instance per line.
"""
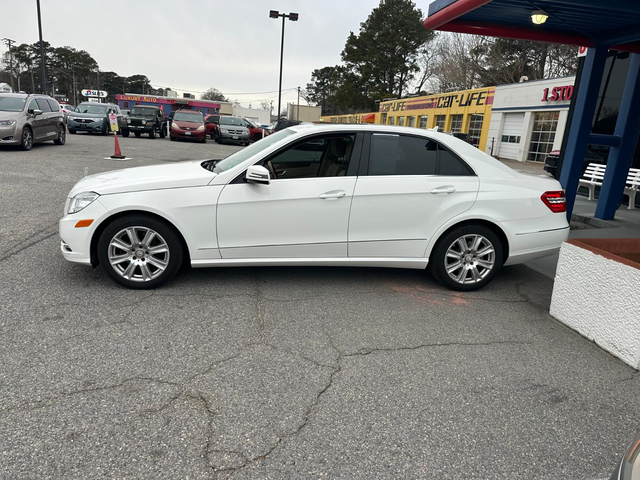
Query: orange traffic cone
x=117 y=154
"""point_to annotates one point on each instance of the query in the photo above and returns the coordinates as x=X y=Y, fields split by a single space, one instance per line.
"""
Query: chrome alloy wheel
x=470 y=259
x=138 y=254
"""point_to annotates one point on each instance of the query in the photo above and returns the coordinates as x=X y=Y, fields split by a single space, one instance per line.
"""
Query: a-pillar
x=578 y=139
x=621 y=156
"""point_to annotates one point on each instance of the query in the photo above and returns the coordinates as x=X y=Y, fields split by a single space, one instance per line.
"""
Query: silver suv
x=28 y=119
x=232 y=129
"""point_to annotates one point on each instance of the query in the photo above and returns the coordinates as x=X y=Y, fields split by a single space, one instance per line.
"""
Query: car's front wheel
x=140 y=251
x=467 y=258
x=125 y=133
x=27 y=139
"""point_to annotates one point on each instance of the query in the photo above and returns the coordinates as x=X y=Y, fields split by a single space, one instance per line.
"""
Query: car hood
x=9 y=115
x=87 y=115
x=234 y=127
x=153 y=177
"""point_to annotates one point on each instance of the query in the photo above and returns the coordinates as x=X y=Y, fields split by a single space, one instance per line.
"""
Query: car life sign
x=94 y=93
x=113 y=121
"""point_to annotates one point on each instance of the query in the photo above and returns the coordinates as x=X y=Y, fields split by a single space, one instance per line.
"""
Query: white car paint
x=389 y=221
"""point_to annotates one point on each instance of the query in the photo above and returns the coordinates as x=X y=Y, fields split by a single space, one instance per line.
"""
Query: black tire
x=257 y=137
x=163 y=133
x=137 y=134
x=105 y=129
x=72 y=132
x=62 y=136
x=161 y=228
x=173 y=139
x=125 y=133
x=439 y=261
x=26 y=141
x=218 y=140
x=204 y=140
x=152 y=134
x=212 y=136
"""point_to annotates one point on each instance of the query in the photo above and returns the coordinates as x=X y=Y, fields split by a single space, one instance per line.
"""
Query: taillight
x=556 y=201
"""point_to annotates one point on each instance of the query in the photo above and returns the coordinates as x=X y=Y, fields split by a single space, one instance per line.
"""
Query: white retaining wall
x=600 y=299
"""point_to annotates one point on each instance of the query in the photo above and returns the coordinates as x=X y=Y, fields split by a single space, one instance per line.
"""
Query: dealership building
x=528 y=119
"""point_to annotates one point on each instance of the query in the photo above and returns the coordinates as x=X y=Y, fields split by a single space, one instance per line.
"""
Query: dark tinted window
x=55 y=106
x=402 y=155
x=320 y=157
x=43 y=104
x=405 y=155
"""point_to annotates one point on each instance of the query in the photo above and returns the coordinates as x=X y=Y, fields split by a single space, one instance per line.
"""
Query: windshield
x=91 y=108
x=12 y=104
x=144 y=112
x=187 y=117
x=231 y=121
x=248 y=152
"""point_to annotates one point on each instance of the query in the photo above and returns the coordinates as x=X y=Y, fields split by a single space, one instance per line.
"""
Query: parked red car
x=211 y=123
x=188 y=125
x=255 y=130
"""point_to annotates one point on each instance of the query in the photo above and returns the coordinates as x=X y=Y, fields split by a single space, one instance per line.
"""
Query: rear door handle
x=444 y=189
x=332 y=195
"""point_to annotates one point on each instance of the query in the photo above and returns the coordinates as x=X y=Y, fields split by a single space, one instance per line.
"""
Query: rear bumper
x=526 y=246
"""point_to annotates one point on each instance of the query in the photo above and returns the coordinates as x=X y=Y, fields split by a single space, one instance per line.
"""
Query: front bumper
x=97 y=126
x=76 y=242
x=227 y=137
x=138 y=128
x=10 y=135
x=188 y=134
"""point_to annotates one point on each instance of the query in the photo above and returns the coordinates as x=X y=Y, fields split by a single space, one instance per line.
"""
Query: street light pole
x=294 y=18
x=43 y=88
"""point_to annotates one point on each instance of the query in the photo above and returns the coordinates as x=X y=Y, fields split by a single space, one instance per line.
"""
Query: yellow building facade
x=467 y=111
x=351 y=118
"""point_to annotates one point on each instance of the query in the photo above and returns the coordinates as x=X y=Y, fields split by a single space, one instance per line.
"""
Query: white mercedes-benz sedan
x=341 y=195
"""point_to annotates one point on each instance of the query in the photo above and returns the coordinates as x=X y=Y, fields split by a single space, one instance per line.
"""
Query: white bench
x=594 y=174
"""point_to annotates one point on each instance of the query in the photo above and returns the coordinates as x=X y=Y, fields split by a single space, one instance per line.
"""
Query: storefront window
x=543 y=135
x=411 y=121
x=401 y=121
x=440 y=122
x=475 y=127
x=384 y=119
x=422 y=123
x=391 y=120
x=456 y=123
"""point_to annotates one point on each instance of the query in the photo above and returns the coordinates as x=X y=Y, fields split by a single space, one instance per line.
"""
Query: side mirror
x=258 y=174
x=36 y=112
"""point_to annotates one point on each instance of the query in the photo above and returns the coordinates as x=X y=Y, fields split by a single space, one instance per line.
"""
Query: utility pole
x=9 y=43
x=294 y=18
x=298 y=108
x=43 y=88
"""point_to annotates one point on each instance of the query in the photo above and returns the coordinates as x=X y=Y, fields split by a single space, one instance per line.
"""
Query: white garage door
x=511 y=135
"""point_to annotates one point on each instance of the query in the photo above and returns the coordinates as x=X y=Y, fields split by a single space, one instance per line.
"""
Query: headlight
x=71 y=118
x=144 y=122
x=200 y=128
x=7 y=123
x=224 y=130
x=174 y=125
x=81 y=201
x=128 y=120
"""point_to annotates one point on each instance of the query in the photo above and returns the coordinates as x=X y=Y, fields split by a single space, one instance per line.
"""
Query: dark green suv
x=145 y=119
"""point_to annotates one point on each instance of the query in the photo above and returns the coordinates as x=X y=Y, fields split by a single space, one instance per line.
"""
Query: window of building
x=407 y=155
x=511 y=138
x=475 y=127
x=401 y=121
x=422 y=122
x=411 y=121
x=440 y=122
x=542 y=135
x=383 y=121
x=391 y=120
x=125 y=105
x=456 y=123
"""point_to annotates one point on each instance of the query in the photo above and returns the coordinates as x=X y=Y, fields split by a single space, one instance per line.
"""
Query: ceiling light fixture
x=539 y=17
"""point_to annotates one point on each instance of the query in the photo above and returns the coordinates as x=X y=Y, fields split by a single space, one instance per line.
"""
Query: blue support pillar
x=578 y=139
x=621 y=156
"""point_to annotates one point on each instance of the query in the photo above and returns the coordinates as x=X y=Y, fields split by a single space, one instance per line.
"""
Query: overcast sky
x=191 y=45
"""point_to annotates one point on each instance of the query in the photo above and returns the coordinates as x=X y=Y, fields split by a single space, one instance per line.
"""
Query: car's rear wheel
x=140 y=251
x=62 y=136
x=204 y=140
x=212 y=136
x=467 y=258
x=163 y=133
x=257 y=137
x=173 y=139
x=137 y=134
x=27 y=139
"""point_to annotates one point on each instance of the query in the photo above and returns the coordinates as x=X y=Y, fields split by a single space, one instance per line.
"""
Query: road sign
x=113 y=121
x=94 y=93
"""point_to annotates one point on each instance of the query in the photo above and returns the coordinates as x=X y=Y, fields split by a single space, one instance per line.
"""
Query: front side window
x=406 y=155
x=32 y=105
x=320 y=157
x=253 y=149
x=43 y=105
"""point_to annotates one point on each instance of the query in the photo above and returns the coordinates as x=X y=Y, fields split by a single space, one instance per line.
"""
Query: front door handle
x=332 y=195
x=444 y=189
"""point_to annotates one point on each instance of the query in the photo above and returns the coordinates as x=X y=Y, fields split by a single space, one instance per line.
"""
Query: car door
x=48 y=118
x=409 y=188
x=297 y=215
x=38 y=122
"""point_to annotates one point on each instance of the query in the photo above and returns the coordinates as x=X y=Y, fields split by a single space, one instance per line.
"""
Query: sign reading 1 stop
x=94 y=93
x=113 y=121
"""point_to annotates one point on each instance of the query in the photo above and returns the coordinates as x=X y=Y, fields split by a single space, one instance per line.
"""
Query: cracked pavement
x=283 y=372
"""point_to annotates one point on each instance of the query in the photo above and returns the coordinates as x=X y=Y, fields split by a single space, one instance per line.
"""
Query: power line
x=224 y=93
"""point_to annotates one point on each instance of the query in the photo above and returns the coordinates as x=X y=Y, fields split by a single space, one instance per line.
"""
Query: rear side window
x=392 y=154
x=43 y=105
x=55 y=106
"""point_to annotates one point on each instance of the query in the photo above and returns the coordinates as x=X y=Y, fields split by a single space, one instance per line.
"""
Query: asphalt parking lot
x=281 y=372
